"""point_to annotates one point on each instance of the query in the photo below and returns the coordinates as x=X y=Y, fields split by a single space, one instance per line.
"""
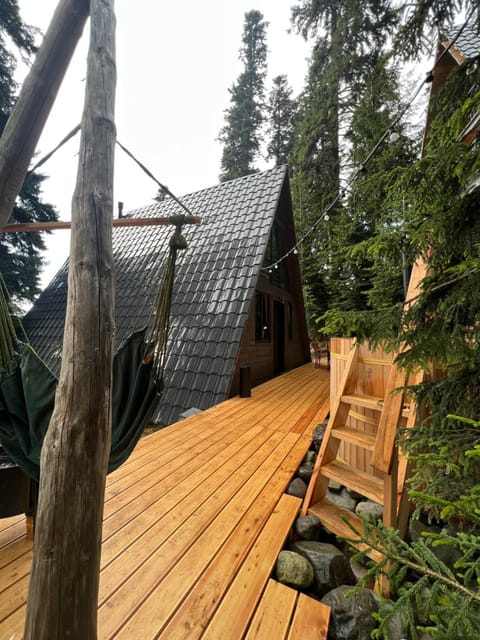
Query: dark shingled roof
x=468 y=42
x=214 y=286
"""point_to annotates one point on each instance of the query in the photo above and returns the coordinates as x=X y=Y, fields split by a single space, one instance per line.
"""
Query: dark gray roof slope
x=215 y=282
x=468 y=42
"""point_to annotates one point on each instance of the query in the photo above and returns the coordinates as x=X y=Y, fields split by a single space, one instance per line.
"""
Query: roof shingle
x=215 y=281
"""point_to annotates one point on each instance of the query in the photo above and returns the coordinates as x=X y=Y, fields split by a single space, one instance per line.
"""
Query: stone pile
x=318 y=564
x=322 y=570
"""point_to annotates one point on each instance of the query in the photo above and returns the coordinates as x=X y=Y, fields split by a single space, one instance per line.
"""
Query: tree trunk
x=63 y=591
x=38 y=93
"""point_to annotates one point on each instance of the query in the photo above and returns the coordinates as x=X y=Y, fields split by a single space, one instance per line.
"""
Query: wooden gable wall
x=286 y=345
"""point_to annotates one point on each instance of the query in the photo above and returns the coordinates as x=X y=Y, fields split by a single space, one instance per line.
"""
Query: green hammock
x=27 y=386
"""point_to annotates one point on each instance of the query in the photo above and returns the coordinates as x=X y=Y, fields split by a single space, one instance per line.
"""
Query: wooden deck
x=194 y=520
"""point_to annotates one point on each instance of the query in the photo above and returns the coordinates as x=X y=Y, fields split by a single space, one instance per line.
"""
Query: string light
x=388 y=133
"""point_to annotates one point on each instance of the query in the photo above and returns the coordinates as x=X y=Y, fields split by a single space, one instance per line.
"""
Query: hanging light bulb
x=326 y=217
x=295 y=251
x=394 y=136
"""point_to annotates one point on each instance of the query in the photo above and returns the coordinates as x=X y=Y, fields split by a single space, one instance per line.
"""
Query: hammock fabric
x=27 y=391
x=27 y=398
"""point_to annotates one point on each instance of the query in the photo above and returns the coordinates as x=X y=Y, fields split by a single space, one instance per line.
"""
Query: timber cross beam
x=117 y=222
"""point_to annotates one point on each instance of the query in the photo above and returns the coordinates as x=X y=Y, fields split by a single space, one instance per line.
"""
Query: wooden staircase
x=365 y=426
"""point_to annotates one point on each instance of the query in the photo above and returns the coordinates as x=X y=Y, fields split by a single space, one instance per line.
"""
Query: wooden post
x=38 y=93
x=63 y=590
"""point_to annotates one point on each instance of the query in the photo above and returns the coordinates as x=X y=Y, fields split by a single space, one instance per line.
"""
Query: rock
x=318 y=433
x=343 y=499
x=396 y=627
x=305 y=472
x=294 y=570
x=355 y=495
x=445 y=553
x=297 y=488
x=421 y=607
x=308 y=528
x=331 y=567
x=416 y=528
x=333 y=485
x=359 y=571
x=370 y=509
x=351 y=617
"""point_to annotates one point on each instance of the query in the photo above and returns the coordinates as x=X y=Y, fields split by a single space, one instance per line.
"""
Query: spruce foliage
x=20 y=253
x=349 y=49
x=241 y=134
x=436 y=578
x=282 y=115
x=403 y=209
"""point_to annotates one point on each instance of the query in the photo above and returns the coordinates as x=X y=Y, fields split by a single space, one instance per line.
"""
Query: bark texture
x=63 y=591
x=38 y=93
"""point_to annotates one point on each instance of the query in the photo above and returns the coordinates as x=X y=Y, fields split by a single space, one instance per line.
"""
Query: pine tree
x=282 y=113
x=20 y=254
x=348 y=42
x=420 y=22
x=241 y=135
x=361 y=273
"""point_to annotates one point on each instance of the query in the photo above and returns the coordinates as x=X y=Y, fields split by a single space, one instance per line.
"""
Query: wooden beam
x=37 y=95
x=63 y=590
x=117 y=222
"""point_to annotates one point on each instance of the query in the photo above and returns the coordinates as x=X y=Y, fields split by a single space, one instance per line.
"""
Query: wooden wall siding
x=260 y=356
x=186 y=515
x=373 y=371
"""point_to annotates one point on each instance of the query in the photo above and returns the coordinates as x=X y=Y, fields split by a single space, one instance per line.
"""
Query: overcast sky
x=175 y=63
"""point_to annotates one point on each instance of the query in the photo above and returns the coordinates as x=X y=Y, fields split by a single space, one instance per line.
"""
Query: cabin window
x=275 y=258
x=262 y=318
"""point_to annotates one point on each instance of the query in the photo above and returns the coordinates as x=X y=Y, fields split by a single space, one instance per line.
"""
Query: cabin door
x=278 y=337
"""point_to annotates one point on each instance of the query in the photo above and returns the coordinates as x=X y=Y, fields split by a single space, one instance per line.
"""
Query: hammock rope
x=27 y=386
x=8 y=335
x=161 y=317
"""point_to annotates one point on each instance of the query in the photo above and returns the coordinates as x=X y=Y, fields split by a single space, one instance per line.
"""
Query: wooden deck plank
x=14 y=528
x=161 y=456
x=205 y=506
x=12 y=627
x=14 y=597
x=154 y=592
x=185 y=511
x=200 y=603
x=233 y=616
x=16 y=549
x=162 y=473
x=273 y=615
x=310 y=621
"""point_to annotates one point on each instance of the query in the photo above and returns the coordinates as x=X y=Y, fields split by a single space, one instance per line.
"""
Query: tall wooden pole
x=63 y=590
x=37 y=95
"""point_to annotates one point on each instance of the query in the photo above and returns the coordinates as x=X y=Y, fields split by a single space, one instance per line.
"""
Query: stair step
x=368 y=402
x=335 y=519
x=354 y=436
x=361 y=482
